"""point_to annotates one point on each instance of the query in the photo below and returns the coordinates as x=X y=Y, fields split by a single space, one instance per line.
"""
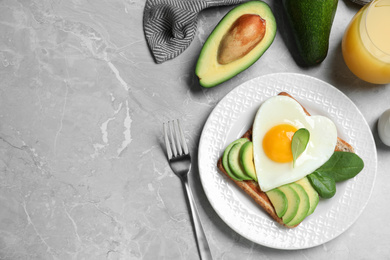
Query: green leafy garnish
x=299 y=143
x=340 y=167
x=323 y=184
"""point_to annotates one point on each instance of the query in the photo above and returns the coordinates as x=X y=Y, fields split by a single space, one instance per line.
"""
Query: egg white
x=285 y=110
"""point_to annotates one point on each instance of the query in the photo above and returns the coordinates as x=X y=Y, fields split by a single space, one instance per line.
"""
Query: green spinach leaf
x=342 y=166
x=323 y=184
x=299 y=143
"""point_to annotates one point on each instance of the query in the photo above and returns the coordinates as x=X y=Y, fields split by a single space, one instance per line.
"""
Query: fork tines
x=174 y=139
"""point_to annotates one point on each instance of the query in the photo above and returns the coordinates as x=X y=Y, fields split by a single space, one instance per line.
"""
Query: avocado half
x=209 y=71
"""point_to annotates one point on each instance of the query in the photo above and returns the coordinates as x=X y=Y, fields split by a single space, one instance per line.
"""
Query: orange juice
x=366 y=43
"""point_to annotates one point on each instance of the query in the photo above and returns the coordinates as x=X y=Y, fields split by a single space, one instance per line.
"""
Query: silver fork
x=180 y=162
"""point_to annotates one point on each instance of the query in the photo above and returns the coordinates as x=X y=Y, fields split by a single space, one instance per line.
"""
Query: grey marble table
x=83 y=173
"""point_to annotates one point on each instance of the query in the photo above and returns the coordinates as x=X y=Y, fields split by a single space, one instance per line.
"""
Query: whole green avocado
x=311 y=22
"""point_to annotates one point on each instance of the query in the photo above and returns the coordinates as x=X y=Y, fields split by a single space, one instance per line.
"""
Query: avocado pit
x=242 y=37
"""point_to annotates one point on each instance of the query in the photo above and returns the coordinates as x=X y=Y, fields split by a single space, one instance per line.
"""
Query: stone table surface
x=83 y=173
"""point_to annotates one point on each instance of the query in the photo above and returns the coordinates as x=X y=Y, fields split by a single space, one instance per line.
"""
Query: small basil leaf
x=323 y=184
x=342 y=166
x=299 y=143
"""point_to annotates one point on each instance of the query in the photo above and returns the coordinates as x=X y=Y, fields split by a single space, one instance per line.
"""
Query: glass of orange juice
x=366 y=43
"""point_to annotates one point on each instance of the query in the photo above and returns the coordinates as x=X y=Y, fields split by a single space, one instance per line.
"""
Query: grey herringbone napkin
x=170 y=25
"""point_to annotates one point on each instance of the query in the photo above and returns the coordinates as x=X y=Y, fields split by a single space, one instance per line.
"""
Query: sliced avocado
x=211 y=69
x=304 y=205
x=278 y=200
x=292 y=202
x=311 y=23
x=246 y=160
x=234 y=162
x=225 y=155
x=311 y=192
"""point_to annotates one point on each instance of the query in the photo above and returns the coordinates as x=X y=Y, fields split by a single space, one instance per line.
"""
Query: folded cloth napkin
x=170 y=25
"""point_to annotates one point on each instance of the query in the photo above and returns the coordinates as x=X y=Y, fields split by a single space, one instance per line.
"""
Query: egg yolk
x=277 y=143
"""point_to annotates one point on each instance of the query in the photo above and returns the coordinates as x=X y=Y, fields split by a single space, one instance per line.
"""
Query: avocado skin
x=311 y=22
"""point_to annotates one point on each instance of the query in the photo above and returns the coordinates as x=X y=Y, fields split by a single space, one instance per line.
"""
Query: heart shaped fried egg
x=275 y=123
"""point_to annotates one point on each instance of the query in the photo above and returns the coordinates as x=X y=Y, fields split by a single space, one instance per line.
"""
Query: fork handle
x=203 y=246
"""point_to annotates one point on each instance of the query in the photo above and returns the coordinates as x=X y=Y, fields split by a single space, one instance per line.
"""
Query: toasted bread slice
x=252 y=188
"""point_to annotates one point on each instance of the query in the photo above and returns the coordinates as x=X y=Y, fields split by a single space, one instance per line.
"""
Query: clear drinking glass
x=366 y=43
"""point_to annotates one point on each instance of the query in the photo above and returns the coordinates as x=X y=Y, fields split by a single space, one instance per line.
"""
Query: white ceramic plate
x=234 y=115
